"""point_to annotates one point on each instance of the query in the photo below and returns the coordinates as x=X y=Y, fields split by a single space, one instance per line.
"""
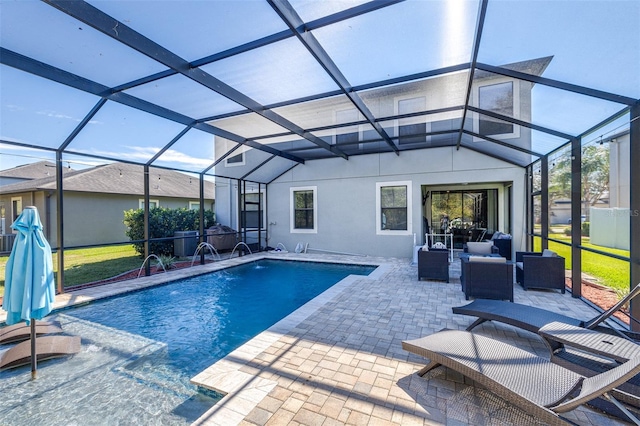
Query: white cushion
x=479 y=247
x=548 y=253
x=483 y=259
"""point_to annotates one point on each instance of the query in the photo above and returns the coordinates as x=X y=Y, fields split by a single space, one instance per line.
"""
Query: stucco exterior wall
x=90 y=218
x=346 y=197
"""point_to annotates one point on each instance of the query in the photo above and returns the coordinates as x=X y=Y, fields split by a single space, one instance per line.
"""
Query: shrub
x=163 y=223
x=169 y=262
x=584 y=230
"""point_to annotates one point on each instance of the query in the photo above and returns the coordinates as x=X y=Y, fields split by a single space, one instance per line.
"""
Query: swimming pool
x=140 y=350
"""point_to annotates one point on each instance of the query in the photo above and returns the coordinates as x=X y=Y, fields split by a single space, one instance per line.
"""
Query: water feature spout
x=241 y=243
x=204 y=245
x=149 y=257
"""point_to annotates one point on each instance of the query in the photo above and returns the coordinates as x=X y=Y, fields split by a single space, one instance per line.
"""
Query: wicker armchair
x=433 y=264
x=487 y=278
x=540 y=270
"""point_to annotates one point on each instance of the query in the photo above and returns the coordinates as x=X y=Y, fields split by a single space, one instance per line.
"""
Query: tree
x=595 y=176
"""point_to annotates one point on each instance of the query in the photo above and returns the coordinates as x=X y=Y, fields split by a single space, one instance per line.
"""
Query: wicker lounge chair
x=21 y=331
x=532 y=319
x=539 y=387
x=47 y=347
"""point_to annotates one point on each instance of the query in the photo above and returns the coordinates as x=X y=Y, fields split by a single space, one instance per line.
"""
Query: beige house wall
x=89 y=218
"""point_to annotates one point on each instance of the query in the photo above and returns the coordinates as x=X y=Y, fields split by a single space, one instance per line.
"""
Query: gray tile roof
x=119 y=178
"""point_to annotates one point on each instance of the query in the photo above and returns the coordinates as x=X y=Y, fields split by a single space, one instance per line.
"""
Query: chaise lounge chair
x=21 y=331
x=532 y=319
x=47 y=347
x=541 y=388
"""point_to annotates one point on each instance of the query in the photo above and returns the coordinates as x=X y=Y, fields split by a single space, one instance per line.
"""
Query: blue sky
x=593 y=43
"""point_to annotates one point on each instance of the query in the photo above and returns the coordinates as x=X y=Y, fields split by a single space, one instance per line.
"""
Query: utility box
x=185 y=243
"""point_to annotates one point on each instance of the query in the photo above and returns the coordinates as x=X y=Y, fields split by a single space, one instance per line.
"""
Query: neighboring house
x=95 y=198
x=381 y=206
x=27 y=172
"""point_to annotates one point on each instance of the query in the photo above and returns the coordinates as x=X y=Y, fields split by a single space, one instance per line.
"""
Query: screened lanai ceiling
x=265 y=86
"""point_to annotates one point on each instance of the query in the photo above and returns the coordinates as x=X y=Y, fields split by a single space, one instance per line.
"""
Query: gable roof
x=31 y=171
x=120 y=178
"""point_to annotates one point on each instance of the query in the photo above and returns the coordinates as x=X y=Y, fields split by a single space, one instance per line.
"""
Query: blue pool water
x=140 y=350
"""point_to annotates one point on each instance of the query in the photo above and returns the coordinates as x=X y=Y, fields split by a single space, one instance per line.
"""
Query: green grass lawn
x=610 y=272
x=87 y=265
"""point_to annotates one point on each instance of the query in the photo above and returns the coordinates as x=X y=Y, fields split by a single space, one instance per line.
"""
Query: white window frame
x=396 y=107
x=141 y=203
x=194 y=203
x=516 y=109
x=292 y=217
x=409 y=230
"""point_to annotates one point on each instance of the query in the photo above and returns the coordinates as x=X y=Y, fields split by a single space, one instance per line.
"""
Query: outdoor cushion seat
x=536 y=385
x=480 y=248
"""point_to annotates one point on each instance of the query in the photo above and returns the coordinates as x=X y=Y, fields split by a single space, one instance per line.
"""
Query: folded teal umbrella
x=29 y=288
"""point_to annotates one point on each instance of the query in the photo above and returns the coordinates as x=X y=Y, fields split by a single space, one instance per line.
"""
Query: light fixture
x=601 y=142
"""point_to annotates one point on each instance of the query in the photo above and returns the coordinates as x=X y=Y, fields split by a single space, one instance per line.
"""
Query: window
x=235 y=160
x=413 y=129
x=16 y=207
x=152 y=204
x=253 y=213
x=393 y=203
x=304 y=208
x=503 y=99
x=347 y=134
x=194 y=205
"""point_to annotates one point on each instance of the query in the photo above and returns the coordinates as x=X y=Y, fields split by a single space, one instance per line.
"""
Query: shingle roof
x=31 y=171
x=120 y=178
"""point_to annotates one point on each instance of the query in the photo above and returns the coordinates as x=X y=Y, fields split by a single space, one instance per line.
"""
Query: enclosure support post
x=60 y=222
x=544 y=202
x=634 y=210
x=147 y=267
x=576 y=222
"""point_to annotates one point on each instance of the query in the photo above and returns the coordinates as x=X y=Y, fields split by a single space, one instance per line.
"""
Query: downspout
x=47 y=220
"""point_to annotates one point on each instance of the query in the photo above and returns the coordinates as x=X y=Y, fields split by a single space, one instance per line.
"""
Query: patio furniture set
x=486 y=274
x=544 y=387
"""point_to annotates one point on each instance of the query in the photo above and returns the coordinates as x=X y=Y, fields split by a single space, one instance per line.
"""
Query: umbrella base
x=47 y=347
